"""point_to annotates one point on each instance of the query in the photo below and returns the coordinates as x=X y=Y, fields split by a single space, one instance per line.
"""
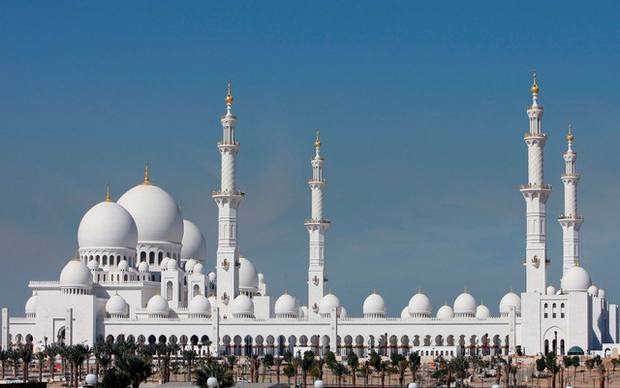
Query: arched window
x=169 y=290
x=196 y=290
x=105 y=259
x=546 y=310
x=143 y=256
x=151 y=257
x=125 y=277
x=562 y=310
x=160 y=257
x=553 y=312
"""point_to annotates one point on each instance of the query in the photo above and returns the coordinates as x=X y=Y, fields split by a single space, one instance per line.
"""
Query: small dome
x=419 y=305
x=164 y=263
x=194 y=245
x=189 y=265
x=510 y=300
x=601 y=293
x=171 y=265
x=157 y=306
x=374 y=306
x=465 y=305
x=551 y=290
x=116 y=307
x=199 y=306
x=75 y=274
x=483 y=312
x=155 y=212
x=31 y=306
x=242 y=307
x=212 y=276
x=404 y=313
x=576 y=279
x=329 y=302
x=123 y=265
x=445 y=312
x=198 y=269
x=93 y=265
x=248 y=278
x=107 y=225
x=286 y=306
x=143 y=267
x=593 y=290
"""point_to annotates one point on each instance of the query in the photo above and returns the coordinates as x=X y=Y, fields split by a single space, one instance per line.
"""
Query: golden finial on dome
x=229 y=97
x=108 y=197
x=569 y=136
x=534 y=87
x=317 y=140
x=147 y=178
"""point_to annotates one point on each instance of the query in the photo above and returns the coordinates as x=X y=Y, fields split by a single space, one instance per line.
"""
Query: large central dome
x=157 y=215
x=107 y=224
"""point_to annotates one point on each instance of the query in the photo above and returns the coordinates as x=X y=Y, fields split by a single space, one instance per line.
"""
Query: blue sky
x=421 y=107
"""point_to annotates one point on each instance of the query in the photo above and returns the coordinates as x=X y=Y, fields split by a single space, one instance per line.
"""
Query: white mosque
x=141 y=275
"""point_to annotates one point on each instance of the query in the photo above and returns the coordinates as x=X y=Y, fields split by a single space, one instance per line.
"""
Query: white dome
x=194 y=244
x=248 y=278
x=107 y=225
x=189 y=265
x=164 y=263
x=143 y=267
x=593 y=290
x=199 y=305
x=198 y=268
x=374 y=305
x=93 y=265
x=445 y=312
x=157 y=306
x=286 y=305
x=510 y=300
x=31 y=305
x=465 y=304
x=576 y=279
x=117 y=306
x=123 y=265
x=483 y=312
x=75 y=274
x=329 y=302
x=171 y=265
x=419 y=305
x=155 y=212
x=242 y=307
x=404 y=313
x=551 y=290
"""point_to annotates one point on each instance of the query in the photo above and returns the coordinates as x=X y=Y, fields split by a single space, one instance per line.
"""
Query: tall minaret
x=571 y=220
x=535 y=193
x=228 y=200
x=317 y=226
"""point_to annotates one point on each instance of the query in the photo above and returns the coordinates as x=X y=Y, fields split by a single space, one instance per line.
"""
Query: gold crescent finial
x=317 y=140
x=570 y=137
x=147 y=178
x=534 y=87
x=229 y=97
x=108 y=197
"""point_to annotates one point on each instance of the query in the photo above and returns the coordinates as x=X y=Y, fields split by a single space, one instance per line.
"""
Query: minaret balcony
x=529 y=135
x=568 y=218
x=535 y=187
x=227 y=194
x=314 y=221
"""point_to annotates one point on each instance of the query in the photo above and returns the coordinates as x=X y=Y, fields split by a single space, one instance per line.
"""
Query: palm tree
x=14 y=357
x=277 y=361
x=213 y=369
x=552 y=366
x=414 y=364
x=307 y=363
x=339 y=370
x=354 y=362
x=188 y=356
x=41 y=356
x=138 y=369
x=459 y=366
x=289 y=371
x=268 y=362
x=4 y=357
x=25 y=354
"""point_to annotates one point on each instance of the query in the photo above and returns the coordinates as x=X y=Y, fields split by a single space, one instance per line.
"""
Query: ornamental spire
x=147 y=179
x=229 y=98
x=317 y=143
x=534 y=89
x=570 y=137
x=108 y=197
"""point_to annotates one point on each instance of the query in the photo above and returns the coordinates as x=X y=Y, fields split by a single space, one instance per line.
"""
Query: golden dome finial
x=569 y=136
x=147 y=178
x=108 y=197
x=229 y=97
x=534 y=87
x=317 y=140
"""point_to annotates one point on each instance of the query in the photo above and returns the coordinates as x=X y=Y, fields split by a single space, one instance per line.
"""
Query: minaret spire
x=536 y=193
x=147 y=178
x=228 y=199
x=570 y=221
x=317 y=226
x=108 y=196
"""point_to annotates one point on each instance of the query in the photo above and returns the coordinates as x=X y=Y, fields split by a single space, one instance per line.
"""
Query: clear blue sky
x=421 y=107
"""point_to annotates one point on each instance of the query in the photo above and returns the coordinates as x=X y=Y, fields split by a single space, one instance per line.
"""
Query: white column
x=536 y=193
x=316 y=226
x=5 y=328
x=227 y=199
x=570 y=221
x=69 y=326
